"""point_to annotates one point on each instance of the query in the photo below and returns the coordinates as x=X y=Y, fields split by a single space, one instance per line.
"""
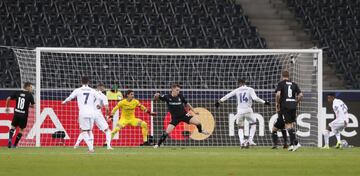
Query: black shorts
x=289 y=115
x=176 y=120
x=279 y=123
x=19 y=121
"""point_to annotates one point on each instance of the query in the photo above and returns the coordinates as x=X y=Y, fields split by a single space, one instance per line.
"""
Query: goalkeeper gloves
x=267 y=103
x=217 y=104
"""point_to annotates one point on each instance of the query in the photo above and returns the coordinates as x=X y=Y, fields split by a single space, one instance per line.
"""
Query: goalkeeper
x=127 y=117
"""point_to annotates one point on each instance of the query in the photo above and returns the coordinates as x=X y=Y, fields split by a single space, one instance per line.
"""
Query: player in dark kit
x=288 y=95
x=176 y=104
x=24 y=100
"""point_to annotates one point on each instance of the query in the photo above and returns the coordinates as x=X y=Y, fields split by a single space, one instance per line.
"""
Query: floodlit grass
x=178 y=161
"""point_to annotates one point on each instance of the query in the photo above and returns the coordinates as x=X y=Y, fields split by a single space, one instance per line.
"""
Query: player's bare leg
x=163 y=137
x=197 y=123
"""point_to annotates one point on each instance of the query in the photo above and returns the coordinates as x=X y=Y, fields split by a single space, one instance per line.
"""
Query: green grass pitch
x=178 y=161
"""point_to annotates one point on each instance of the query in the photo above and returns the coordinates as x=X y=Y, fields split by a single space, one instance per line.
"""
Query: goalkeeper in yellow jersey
x=127 y=117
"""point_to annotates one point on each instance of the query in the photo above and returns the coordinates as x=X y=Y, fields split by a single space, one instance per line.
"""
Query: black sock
x=199 y=128
x=274 y=137
x=162 y=138
x=292 y=136
x=284 y=134
x=18 y=137
x=11 y=134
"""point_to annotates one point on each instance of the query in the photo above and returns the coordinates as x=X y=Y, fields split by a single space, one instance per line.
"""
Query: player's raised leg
x=195 y=121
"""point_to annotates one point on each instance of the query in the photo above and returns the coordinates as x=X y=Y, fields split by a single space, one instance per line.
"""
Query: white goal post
x=205 y=75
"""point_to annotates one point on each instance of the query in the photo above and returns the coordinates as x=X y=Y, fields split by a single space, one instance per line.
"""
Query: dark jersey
x=23 y=100
x=176 y=105
x=288 y=91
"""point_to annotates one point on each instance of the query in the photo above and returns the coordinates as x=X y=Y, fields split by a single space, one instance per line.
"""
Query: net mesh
x=205 y=77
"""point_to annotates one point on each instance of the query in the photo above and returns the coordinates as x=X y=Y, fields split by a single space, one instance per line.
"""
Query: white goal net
x=204 y=74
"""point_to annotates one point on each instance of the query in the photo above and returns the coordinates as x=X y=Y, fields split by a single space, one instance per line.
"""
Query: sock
x=162 y=138
x=274 y=137
x=11 y=134
x=86 y=136
x=252 y=132
x=79 y=139
x=108 y=137
x=144 y=131
x=91 y=134
x=114 y=131
x=292 y=135
x=337 y=135
x=326 y=137
x=18 y=137
x=241 y=135
x=284 y=135
x=199 y=127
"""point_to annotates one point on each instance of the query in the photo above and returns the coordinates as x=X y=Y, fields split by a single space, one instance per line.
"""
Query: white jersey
x=86 y=97
x=244 y=95
x=102 y=101
x=341 y=110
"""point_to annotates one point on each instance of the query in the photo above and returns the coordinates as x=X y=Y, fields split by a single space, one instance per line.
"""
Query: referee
x=288 y=95
x=24 y=100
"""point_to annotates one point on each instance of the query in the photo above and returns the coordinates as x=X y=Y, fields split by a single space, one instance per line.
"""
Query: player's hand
x=156 y=96
x=153 y=113
x=345 y=124
x=63 y=102
x=109 y=118
x=98 y=106
x=267 y=103
x=7 y=110
x=217 y=104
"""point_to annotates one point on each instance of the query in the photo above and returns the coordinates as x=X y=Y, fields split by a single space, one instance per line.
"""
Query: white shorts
x=337 y=126
x=86 y=123
x=248 y=116
x=101 y=122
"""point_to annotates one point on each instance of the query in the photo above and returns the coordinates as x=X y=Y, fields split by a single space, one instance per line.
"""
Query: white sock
x=241 y=135
x=252 y=132
x=108 y=137
x=79 y=139
x=91 y=135
x=87 y=140
x=326 y=137
x=337 y=135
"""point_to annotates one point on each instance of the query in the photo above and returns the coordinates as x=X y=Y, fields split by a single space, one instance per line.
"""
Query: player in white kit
x=340 y=122
x=245 y=95
x=99 y=119
x=86 y=97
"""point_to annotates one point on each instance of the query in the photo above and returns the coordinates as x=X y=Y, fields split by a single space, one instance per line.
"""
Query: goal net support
x=204 y=74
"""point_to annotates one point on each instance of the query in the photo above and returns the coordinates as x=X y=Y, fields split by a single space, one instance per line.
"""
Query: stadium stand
x=123 y=24
x=334 y=24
